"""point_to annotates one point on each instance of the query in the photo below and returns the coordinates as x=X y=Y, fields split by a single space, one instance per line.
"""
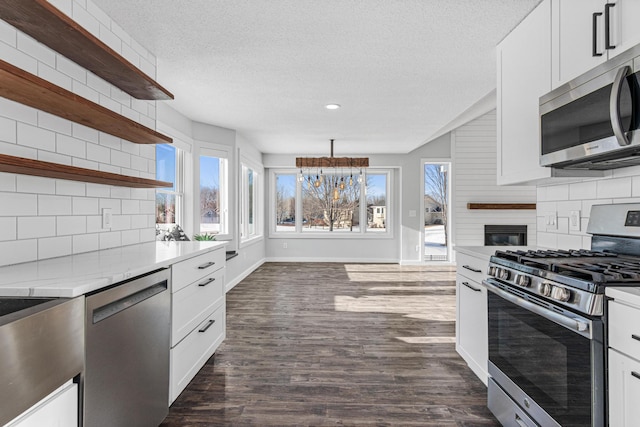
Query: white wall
x=42 y=217
x=621 y=186
x=474 y=171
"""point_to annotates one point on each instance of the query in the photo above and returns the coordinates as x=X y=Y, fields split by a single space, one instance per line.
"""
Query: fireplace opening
x=505 y=235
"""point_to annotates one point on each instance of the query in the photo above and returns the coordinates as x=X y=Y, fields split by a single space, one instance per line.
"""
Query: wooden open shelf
x=499 y=206
x=25 y=166
x=48 y=25
x=21 y=86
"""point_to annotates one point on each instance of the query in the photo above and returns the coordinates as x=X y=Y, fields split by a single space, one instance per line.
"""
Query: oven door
x=548 y=360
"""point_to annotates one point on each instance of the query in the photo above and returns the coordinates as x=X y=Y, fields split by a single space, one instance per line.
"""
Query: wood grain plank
x=25 y=88
x=26 y=166
x=48 y=25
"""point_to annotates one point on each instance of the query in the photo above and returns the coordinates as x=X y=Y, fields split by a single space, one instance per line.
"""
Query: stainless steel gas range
x=547 y=323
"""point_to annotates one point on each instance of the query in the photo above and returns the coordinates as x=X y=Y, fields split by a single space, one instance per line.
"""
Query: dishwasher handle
x=111 y=309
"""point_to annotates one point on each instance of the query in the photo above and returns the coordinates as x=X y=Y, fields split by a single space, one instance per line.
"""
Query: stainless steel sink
x=41 y=347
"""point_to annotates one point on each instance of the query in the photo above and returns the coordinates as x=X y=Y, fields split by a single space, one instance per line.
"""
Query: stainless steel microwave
x=593 y=121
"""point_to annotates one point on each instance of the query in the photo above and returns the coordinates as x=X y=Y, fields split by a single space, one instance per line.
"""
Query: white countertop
x=629 y=295
x=75 y=275
x=486 y=251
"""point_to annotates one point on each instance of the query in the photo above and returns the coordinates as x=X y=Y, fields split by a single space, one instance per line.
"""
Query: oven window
x=547 y=361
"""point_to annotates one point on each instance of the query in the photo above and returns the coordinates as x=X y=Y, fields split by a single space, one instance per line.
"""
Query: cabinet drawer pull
x=207 y=326
x=475 y=270
x=206 y=265
x=607 y=26
x=206 y=282
x=471 y=287
x=635 y=337
x=594 y=30
x=635 y=374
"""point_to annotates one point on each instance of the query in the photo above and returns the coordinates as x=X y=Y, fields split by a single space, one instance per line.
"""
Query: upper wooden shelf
x=25 y=166
x=500 y=206
x=21 y=86
x=51 y=27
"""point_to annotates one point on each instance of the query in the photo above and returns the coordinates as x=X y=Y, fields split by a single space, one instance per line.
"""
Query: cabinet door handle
x=635 y=374
x=635 y=337
x=471 y=287
x=607 y=26
x=594 y=31
x=206 y=265
x=475 y=270
x=206 y=282
x=207 y=326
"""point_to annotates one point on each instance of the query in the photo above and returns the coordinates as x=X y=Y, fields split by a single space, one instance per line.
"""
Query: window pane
x=330 y=203
x=250 y=193
x=210 y=208
x=376 y=202
x=166 y=164
x=165 y=208
x=285 y=203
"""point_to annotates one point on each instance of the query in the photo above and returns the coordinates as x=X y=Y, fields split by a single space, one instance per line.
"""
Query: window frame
x=224 y=153
x=245 y=237
x=363 y=233
x=177 y=190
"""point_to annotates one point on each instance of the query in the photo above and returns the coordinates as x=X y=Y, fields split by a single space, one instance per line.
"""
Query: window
x=168 y=200
x=212 y=213
x=330 y=203
x=249 y=204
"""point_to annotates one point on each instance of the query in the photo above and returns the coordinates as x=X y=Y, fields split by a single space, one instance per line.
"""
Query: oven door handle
x=579 y=326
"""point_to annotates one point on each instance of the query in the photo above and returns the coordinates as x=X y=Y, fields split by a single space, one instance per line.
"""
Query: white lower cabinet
x=59 y=409
x=471 y=314
x=198 y=316
x=624 y=358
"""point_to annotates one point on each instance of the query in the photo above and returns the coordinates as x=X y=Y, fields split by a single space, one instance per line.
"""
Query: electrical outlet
x=574 y=220
x=106 y=218
x=551 y=221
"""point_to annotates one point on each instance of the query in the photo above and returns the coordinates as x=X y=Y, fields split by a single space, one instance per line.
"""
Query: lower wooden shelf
x=26 y=166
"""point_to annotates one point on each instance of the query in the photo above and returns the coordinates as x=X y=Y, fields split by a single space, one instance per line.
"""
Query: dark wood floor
x=322 y=344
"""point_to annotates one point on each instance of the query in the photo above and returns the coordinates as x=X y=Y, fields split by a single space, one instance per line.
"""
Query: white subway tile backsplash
x=71 y=69
x=148 y=206
x=109 y=103
x=139 y=163
x=48 y=156
x=147 y=121
x=110 y=39
x=139 y=221
x=121 y=159
x=18 y=150
x=131 y=147
x=130 y=172
x=110 y=141
x=564 y=208
x=110 y=240
x=7 y=181
x=20 y=59
x=130 y=237
x=97 y=84
x=69 y=225
x=563 y=225
x=613 y=188
x=85 y=205
x=33 y=136
x=98 y=190
x=8 y=228
x=54 y=247
x=84 y=163
x=120 y=192
x=30 y=227
x=54 y=76
x=54 y=205
x=8 y=130
x=31 y=47
x=557 y=192
x=98 y=153
x=547 y=240
x=71 y=146
x=85 y=91
x=8 y=34
x=54 y=123
x=129 y=113
x=85 y=19
x=17 y=251
x=130 y=55
x=569 y=241
x=65 y=6
x=147 y=67
x=121 y=222
x=109 y=168
x=140 y=193
x=147 y=234
x=94 y=224
x=120 y=96
x=122 y=34
x=35 y=184
x=130 y=207
x=148 y=151
x=85 y=243
x=85 y=133
x=70 y=188
x=16 y=111
x=17 y=204
x=583 y=190
x=113 y=204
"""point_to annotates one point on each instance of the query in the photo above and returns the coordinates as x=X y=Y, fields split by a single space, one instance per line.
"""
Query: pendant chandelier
x=315 y=166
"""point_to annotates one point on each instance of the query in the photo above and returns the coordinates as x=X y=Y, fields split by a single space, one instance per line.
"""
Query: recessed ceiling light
x=332 y=106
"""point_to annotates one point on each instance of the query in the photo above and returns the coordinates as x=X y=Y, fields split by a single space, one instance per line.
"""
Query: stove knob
x=522 y=280
x=503 y=274
x=545 y=289
x=561 y=294
x=491 y=271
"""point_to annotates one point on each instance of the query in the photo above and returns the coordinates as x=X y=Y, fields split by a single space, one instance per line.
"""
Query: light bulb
x=351 y=181
x=300 y=178
x=336 y=194
x=360 y=178
x=317 y=182
x=342 y=185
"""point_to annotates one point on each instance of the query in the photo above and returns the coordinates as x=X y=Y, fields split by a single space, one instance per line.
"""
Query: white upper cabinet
x=524 y=64
x=586 y=33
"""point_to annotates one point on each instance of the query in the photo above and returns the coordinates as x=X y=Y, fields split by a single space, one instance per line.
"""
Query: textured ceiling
x=401 y=69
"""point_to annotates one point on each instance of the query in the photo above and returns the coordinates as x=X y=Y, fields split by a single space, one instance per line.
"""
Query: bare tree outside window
x=436 y=195
x=332 y=204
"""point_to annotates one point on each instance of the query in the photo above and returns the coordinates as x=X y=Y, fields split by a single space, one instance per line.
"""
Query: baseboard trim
x=230 y=285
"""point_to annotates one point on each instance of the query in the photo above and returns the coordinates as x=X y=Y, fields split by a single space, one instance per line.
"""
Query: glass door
x=436 y=211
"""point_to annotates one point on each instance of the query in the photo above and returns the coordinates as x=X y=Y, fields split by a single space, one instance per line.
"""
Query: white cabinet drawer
x=193 y=303
x=624 y=329
x=624 y=390
x=193 y=352
x=190 y=270
x=471 y=267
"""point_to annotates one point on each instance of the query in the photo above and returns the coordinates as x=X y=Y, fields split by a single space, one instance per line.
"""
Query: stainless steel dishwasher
x=127 y=326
